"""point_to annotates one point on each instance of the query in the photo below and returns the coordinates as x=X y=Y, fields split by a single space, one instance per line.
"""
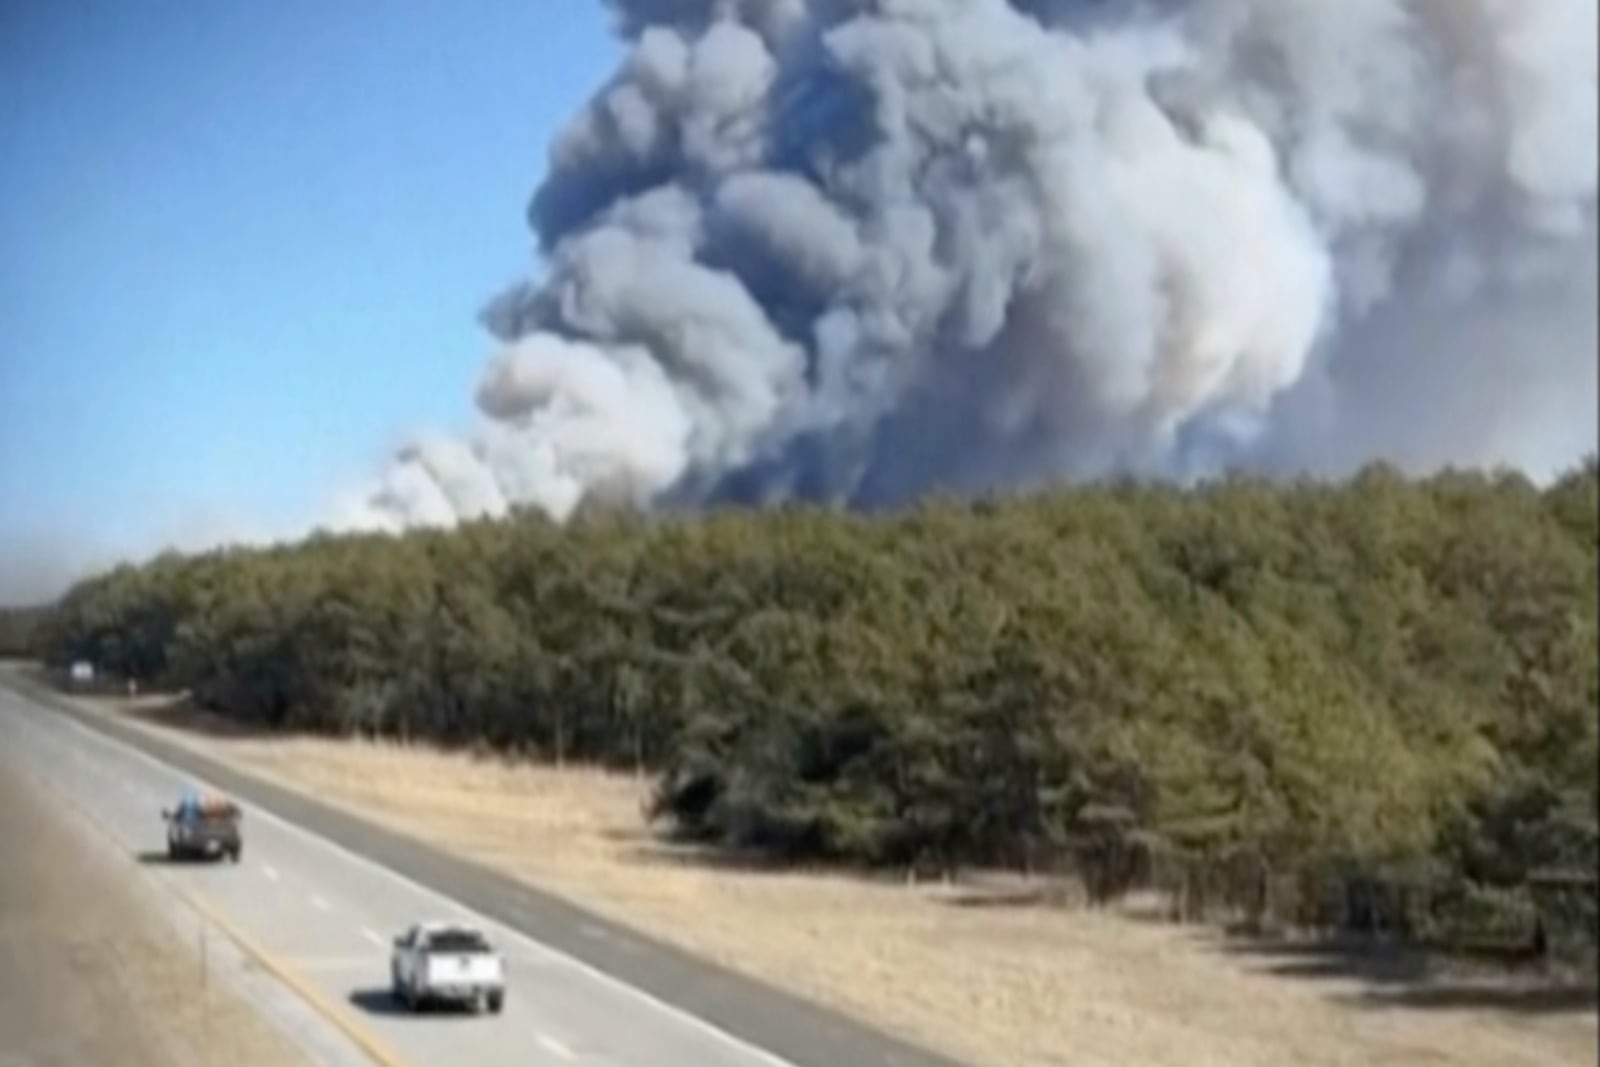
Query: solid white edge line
x=671 y=1011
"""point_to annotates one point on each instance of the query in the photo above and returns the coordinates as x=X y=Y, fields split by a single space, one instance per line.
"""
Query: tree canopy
x=1263 y=695
x=18 y=630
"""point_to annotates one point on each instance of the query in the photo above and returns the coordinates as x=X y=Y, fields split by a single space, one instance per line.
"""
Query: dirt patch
x=88 y=975
x=1019 y=985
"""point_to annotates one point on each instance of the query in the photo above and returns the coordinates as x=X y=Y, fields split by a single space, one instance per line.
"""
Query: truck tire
x=496 y=1002
x=233 y=853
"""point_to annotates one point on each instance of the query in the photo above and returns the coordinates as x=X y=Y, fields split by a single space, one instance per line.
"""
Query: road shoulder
x=93 y=970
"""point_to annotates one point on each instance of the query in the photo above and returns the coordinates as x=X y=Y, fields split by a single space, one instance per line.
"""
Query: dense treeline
x=18 y=630
x=1357 y=703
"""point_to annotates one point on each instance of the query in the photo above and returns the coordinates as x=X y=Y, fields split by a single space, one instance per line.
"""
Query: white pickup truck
x=445 y=961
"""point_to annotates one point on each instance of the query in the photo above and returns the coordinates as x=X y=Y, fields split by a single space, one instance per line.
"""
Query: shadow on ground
x=970 y=890
x=377 y=1002
x=160 y=858
x=383 y=1002
x=1390 y=976
x=1553 y=999
x=662 y=850
x=181 y=714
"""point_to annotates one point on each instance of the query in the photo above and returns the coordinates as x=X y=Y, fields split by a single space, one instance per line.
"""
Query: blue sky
x=242 y=247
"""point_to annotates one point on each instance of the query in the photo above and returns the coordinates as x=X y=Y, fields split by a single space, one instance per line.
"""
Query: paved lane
x=327 y=915
x=93 y=971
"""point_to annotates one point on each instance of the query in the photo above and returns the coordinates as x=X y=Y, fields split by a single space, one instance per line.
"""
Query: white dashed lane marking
x=554 y=1047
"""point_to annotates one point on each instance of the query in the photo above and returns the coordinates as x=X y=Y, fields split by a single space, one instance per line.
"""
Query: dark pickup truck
x=203 y=829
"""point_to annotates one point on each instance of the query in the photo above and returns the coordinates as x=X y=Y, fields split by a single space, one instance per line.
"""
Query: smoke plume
x=857 y=249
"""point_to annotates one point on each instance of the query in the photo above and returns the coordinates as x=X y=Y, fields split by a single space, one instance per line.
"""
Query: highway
x=326 y=916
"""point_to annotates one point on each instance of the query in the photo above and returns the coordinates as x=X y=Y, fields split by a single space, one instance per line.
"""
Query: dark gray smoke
x=856 y=249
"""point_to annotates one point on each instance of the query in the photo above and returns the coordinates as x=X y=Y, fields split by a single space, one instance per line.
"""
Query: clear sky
x=243 y=244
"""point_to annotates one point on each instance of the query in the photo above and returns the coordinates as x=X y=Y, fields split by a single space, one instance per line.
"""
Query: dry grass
x=1001 y=985
x=157 y=978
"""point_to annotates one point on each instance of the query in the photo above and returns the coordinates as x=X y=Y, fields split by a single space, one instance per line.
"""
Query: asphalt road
x=323 y=893
x=91 y=975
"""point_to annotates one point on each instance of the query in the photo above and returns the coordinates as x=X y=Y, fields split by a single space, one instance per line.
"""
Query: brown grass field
x=989 y=979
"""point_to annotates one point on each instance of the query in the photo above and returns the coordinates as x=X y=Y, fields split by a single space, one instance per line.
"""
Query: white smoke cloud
x=858 y=248
x=35 y=568
x=39 y=563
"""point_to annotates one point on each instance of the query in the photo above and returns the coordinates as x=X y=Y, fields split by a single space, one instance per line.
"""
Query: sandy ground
x=88 y=976
x=992 y=982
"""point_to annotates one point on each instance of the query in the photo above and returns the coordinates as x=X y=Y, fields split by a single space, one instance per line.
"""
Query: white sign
x=83 y=671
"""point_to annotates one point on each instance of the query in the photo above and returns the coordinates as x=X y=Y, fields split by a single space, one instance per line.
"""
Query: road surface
x=92 y=974
x=325 y=915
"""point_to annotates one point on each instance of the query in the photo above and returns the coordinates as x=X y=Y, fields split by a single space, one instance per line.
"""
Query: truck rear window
x=458 y=941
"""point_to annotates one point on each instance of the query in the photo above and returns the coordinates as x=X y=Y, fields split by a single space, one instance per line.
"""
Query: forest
x=18 y=626
x=1367 y=704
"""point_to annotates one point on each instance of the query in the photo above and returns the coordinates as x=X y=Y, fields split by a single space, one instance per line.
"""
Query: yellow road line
x=358 y=1034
